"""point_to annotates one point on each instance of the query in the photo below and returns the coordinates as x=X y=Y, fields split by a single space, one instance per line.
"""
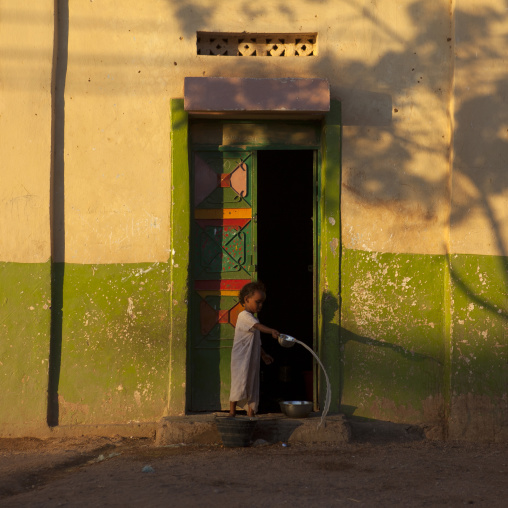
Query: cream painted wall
x=391 y=63
x=124 y=65
x=26 y=42
x=480 y=178
x=395 y=86
x=119 y=81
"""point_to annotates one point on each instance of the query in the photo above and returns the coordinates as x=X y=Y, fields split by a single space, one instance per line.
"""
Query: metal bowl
x=296 y=408
x=286 y=340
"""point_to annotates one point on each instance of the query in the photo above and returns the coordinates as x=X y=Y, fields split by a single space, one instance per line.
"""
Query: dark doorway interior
x=285 y=188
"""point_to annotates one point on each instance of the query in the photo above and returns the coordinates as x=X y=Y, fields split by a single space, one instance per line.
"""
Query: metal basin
x=286 y=340
x=296 y=408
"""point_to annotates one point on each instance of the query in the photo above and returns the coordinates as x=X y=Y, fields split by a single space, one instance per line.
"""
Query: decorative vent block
x=256 y=44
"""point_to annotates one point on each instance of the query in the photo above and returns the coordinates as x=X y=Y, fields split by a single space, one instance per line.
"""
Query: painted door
x=223 y=260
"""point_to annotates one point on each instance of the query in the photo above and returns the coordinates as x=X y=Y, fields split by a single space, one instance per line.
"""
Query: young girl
x=247 y=351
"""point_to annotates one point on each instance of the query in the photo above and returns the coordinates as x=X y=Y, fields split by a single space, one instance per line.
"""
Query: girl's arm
x=265 y=329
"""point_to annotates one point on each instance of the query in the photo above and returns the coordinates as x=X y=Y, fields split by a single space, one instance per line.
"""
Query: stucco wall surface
x=391 y=66
x=115 y=343
x=26 y=41
x=25 y=322
x=86 y=180
x=410 y=77
x=26 y=63
x=479 y=209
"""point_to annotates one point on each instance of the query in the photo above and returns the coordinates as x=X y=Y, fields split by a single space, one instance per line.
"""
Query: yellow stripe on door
x=223 y=213
x=224 y=292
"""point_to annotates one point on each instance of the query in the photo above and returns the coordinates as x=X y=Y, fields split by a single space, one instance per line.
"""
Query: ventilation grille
x=256 y=44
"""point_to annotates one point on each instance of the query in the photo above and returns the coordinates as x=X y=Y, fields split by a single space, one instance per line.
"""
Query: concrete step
x=273 y=428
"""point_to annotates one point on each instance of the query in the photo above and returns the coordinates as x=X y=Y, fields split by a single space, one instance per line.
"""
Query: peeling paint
x=393 y=318
x=130 y=307
x=334 y=244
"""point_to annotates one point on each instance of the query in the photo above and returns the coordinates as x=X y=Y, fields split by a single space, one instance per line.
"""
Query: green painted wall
x=179 y=259
x=395 y=330
x=110 y=354
x=479 y=359
x=25 y=300
x=114 y=343
x=392 y=339
x=394 y=360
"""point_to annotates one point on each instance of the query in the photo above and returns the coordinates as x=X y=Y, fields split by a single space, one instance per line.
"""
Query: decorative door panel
x=222 y=262
x=224 y=246
x=222 y=182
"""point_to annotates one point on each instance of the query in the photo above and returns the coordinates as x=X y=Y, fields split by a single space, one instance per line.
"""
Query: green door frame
x=327 y=253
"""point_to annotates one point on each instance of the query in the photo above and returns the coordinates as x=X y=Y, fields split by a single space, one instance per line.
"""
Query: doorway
x=321 y=138
x=285 y=256
x=252 y=219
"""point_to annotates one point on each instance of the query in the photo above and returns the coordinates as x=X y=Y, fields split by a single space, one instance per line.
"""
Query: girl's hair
x=249 y=289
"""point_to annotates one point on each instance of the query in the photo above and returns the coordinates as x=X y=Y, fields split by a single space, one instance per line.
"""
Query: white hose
x=328 y=388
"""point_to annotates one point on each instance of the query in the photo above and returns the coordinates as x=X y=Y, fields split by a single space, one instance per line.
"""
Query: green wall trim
x=329 y=254
x=401 y=345
x=179 y=260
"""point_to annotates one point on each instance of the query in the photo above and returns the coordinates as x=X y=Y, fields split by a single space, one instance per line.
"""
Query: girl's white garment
x=245 y=359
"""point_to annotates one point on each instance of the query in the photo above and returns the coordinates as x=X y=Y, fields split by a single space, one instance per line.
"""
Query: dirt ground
x=366 y=472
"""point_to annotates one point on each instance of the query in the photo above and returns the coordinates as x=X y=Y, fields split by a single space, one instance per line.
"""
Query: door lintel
x=217 y=95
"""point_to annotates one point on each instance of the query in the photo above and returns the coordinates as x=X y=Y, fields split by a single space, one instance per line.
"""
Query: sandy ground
x=366 y=472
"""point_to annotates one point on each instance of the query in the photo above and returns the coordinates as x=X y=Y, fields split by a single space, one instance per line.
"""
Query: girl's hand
x=275 y=334
x=268 y=359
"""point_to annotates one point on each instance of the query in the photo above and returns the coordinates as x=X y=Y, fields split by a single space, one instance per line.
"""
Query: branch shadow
x=329 y=309
x=380 y=174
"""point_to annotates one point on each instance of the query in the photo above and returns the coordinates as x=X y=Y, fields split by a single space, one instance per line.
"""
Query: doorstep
x=273 y=428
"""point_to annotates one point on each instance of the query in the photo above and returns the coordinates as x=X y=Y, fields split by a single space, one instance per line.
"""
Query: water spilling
x=288 y=341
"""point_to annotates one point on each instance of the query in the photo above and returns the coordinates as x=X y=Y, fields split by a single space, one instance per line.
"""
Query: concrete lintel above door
x=259 y=95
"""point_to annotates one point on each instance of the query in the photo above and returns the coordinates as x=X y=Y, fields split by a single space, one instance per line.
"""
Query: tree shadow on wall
x=381 y=171
x=332 y=332
x=418 y=162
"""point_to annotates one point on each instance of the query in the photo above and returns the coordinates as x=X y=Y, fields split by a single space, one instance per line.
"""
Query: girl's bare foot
x=232 y=414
